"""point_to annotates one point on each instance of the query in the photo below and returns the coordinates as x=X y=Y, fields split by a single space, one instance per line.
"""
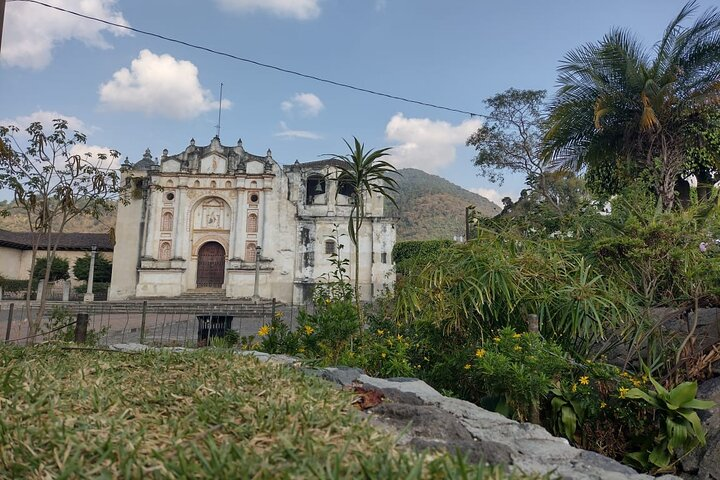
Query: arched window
x=165 y=251
x=315 y=190
x=252 y=223
x=330 y=247
x=166 y=222
x=250 y=253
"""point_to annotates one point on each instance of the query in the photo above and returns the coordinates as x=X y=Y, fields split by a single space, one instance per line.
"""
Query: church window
x=166 y=222
x=315 y=190
x=170 y=196
x=250 y=253
x=330 y=247
x=346 y=188
x=165 y=252
x=383 y=257
x=252 y=223
x=254 y=198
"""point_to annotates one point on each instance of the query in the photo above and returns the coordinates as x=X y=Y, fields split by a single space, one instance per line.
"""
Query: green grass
x=199 y=414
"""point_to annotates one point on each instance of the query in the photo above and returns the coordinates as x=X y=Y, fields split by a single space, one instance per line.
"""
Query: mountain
x=430 y=207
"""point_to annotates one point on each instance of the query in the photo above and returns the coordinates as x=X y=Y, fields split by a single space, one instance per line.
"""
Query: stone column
x=66 y=291
x=89 y=295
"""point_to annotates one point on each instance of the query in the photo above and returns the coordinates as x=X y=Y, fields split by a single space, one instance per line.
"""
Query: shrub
x=59 y=270
x=103 y=268
x=520 y=368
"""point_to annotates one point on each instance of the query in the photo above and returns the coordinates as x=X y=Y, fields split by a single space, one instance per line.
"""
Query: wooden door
x=211 y=266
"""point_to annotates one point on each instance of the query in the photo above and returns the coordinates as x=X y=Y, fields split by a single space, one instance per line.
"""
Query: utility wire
x=255 y=62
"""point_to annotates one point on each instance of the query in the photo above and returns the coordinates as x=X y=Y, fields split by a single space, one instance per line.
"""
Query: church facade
x=207 y=218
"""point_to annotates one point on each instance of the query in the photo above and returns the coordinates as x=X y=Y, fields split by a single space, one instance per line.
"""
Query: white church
x=204 y=219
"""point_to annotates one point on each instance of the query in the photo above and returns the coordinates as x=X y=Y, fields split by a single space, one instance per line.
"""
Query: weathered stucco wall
x=224 y=195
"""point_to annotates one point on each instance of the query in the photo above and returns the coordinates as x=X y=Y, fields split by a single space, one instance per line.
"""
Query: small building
x=16 y=250
x=207 y=216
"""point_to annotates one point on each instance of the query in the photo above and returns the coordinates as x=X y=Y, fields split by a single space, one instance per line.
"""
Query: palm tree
x=364 y=173
x=623 y=107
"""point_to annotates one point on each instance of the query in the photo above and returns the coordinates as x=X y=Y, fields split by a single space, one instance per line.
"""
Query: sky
x=129 y=92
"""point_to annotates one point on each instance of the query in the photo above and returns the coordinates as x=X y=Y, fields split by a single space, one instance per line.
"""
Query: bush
x=416 y=254
x=98 y=287
x=103 y=268
x=13 y=285
x=59 y=270
x=518 y=368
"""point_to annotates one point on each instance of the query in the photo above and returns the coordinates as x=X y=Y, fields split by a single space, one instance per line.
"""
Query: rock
x=704 y=462
x=343 y=376
x=494 y=438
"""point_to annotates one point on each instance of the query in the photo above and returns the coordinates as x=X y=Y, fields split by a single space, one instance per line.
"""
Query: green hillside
x=430 y=207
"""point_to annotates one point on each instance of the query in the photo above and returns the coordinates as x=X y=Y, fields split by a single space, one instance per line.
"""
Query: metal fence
x=166 y=323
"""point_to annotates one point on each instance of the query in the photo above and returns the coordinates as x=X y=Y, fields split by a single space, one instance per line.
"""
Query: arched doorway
x=211 y=266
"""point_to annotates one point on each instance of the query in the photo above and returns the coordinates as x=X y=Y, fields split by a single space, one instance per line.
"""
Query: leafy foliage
x=103 y=268
x=681 y=431
x=623 y=107
x=59 y=269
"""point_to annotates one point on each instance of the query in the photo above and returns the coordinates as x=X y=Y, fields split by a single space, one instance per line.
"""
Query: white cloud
x=287 y=133
x=493 y=195
x=33 y=31
x=94 y=159
x=426 y=144
x=308 y=104
x=158 y=85
x=46 y=118
x=298 y=9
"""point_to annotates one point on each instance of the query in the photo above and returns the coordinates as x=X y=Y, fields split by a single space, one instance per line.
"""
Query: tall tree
x=511 y=137
x=53 y=184
x=365 y=173
x=622 y=110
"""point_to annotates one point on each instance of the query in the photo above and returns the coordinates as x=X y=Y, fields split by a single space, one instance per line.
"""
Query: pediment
x=254 y=167
x=213 y=163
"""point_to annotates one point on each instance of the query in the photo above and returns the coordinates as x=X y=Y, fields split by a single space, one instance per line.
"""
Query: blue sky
x=131 y=92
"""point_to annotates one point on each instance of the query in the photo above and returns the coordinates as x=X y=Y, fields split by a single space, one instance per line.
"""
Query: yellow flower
x=496 y=339
x=636 y=382
x=584 y=380
x=574 y=388
x=399 y=337
x=279 y=315
x=517 y=335
x=383 y=355
x=623 y=391
x=480 y=352
x=301 y=350
x=468 y=366
x=381 y=332
x=603 y=404
x=644 y=378
x=264 y=330
x=309 y=330
x=517 y=348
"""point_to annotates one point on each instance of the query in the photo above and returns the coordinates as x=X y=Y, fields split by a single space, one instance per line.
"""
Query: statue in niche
x=213 y=219
x=214 y=165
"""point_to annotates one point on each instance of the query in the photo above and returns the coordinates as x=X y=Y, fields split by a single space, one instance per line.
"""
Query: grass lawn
x=198 y=414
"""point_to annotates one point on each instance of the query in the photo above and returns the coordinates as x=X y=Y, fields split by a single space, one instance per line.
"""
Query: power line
x=255 y=62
